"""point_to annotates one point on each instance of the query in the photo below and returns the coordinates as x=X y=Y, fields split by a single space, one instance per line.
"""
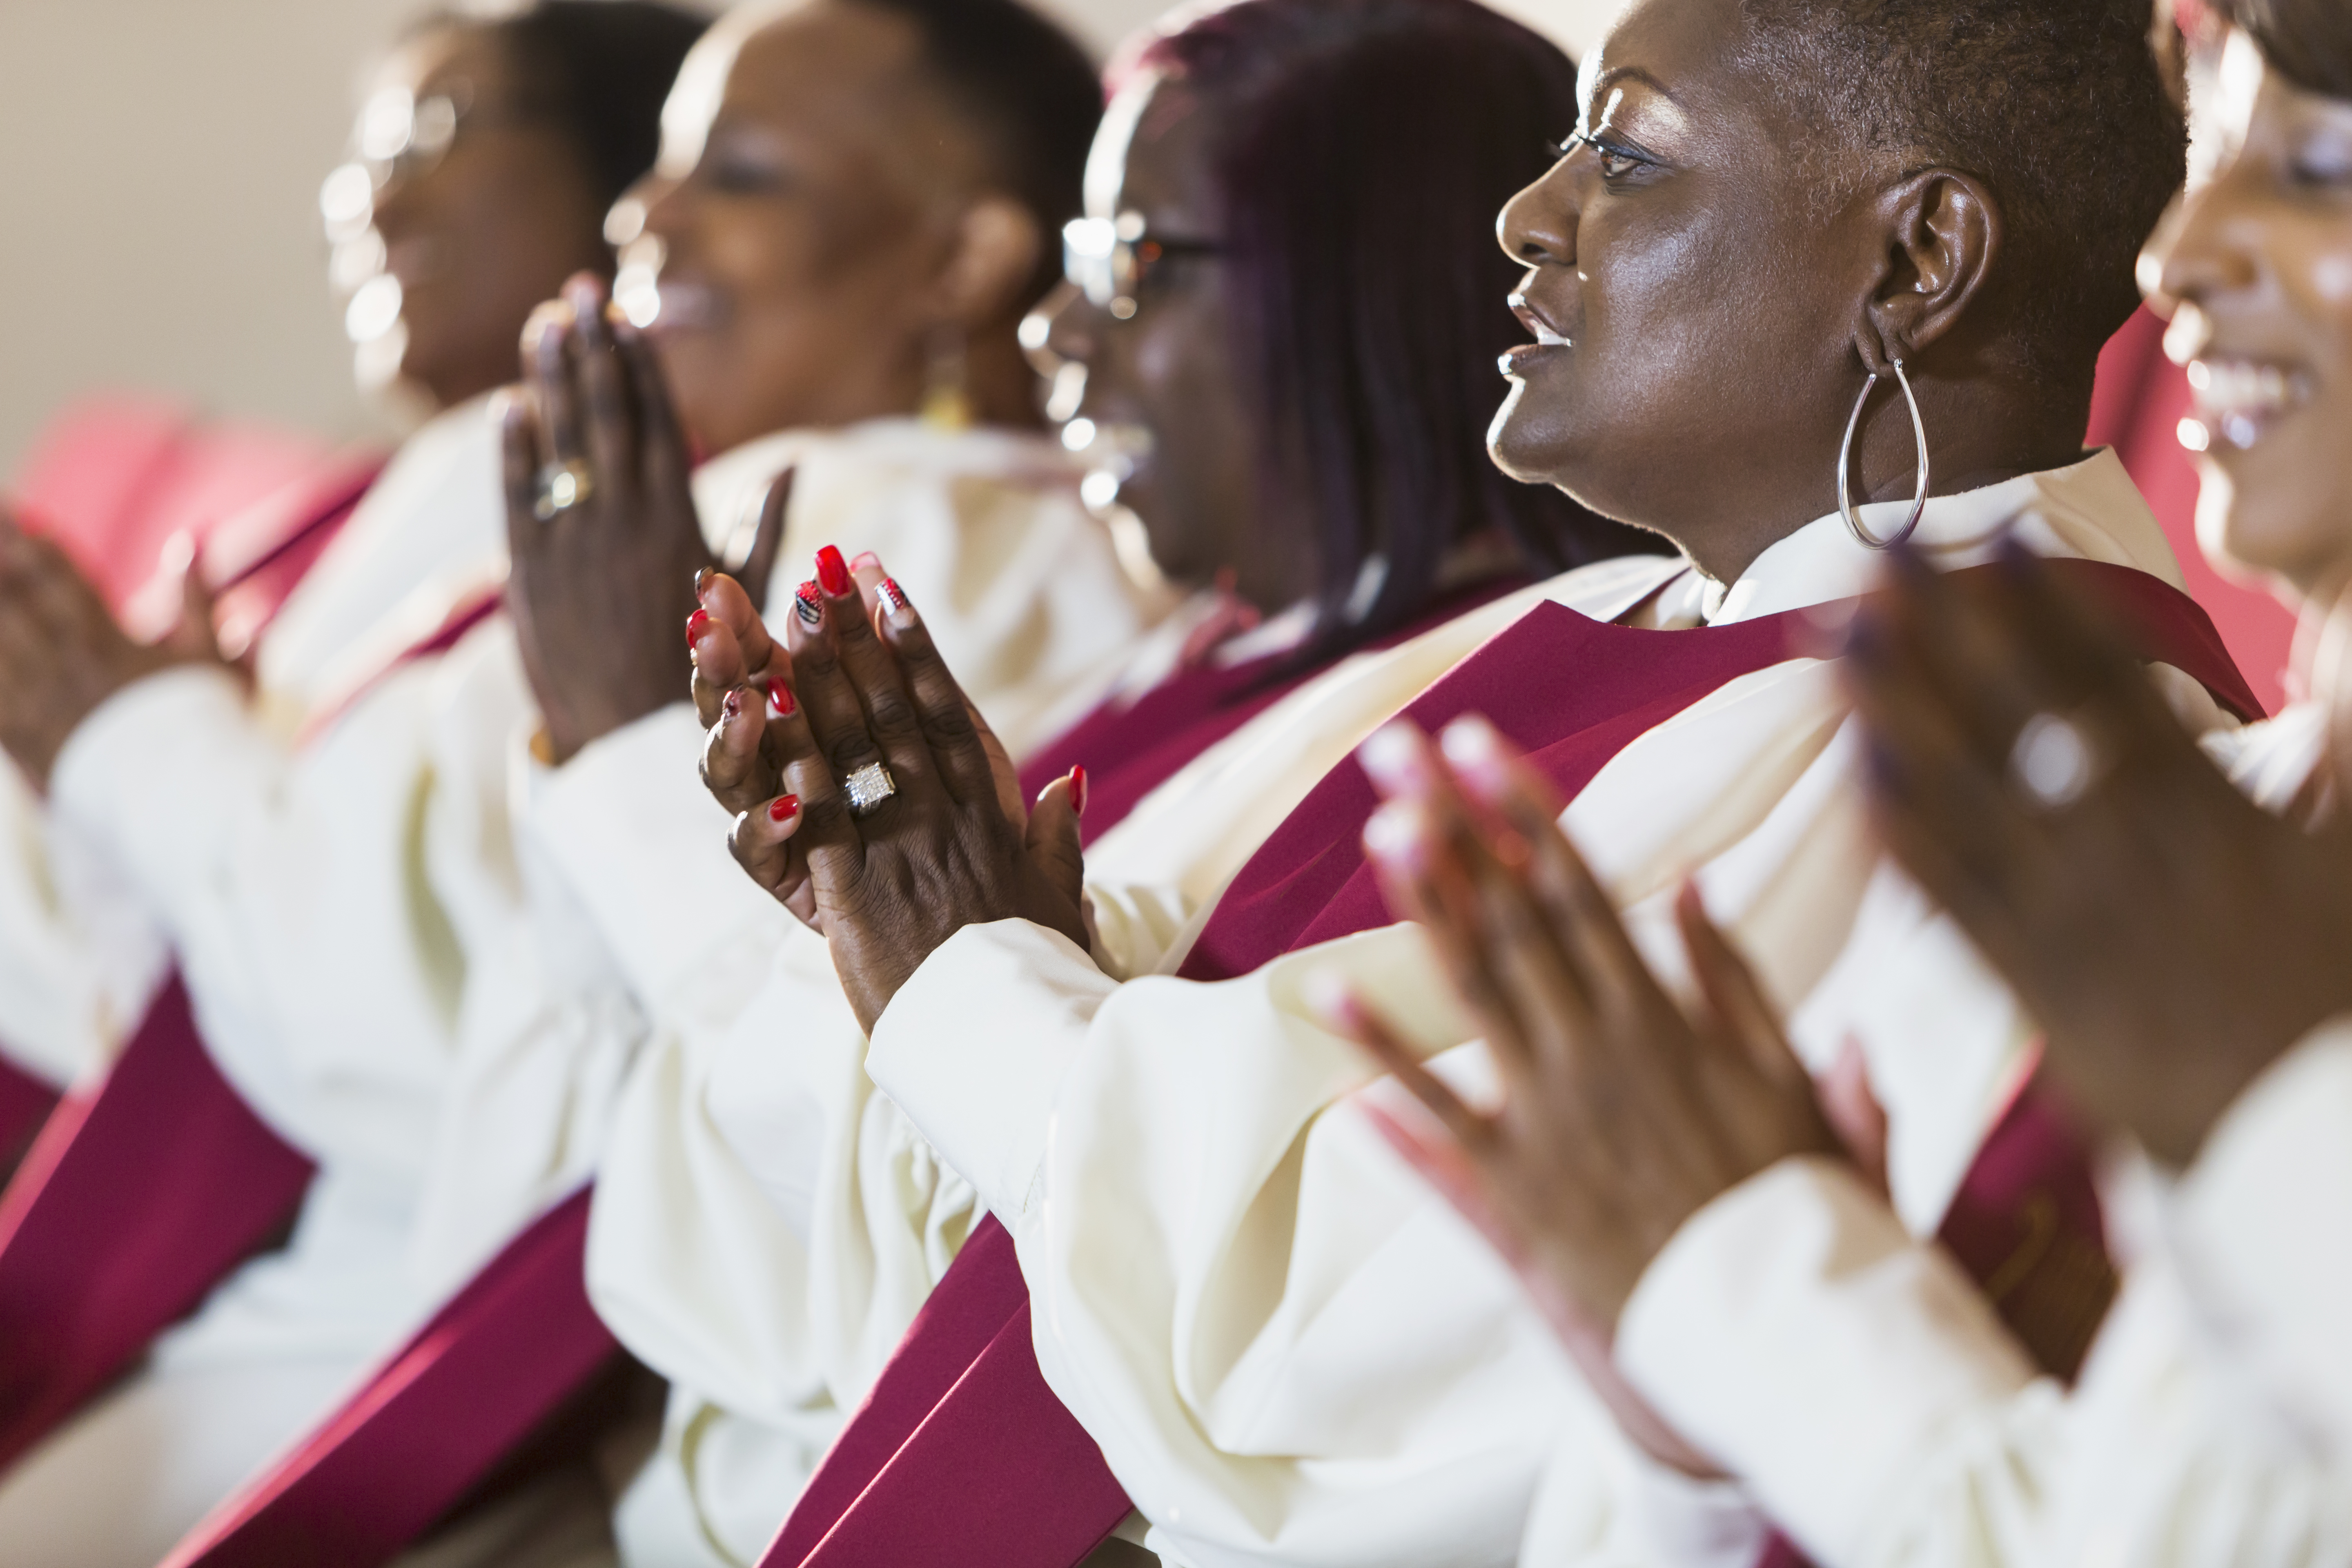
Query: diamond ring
x=561 y=487
x=2052 y=762
x=867 y=788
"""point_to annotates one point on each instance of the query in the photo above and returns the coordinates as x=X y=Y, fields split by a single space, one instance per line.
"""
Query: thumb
x=193 y=636
x=1851 y=1108
x=1053 y=835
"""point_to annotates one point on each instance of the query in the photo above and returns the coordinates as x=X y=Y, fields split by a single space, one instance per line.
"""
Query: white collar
x=2087 y=510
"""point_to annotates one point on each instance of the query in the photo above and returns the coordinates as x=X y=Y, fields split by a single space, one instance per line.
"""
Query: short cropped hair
x=1362 y=149
x=2058 y=106
x=2309 y=42
x=1030 y=91
x=602 y=69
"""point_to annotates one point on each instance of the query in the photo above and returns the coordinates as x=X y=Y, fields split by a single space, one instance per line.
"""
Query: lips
x=1516 y=362
x=2238 y=401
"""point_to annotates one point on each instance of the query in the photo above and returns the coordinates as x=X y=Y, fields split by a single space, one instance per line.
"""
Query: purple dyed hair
x=1363 y=149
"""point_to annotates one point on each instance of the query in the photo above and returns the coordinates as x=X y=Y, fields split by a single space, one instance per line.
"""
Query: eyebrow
x=1616 y=74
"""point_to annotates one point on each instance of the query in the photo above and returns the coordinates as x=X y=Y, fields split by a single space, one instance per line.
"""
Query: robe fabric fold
x=505 y=1354
x=179 y=1178
x=159 y=1156
x=1571 y=692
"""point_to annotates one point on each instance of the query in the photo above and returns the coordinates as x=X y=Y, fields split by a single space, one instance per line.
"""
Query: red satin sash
x=161 y=1162
x=1569 y=691
x=1130 y=749
x=135 y=1200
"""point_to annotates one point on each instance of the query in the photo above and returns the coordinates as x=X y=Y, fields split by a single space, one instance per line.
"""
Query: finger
x=1421 y=873
x=1599 y=969
x=1962 y=654
x=1053 y=835
x=718 y=665
x=665 y=459
x=550 y=367
x=1745 y=1016
x=736 y=765
x=874 y=671
x=608 y=422
x=762 y=843
x=1851 y=1108
x=727 y=603
x=828 y=835
x=1336 y=1004
x=518 y=448
x=834 y=710
x=954 y=732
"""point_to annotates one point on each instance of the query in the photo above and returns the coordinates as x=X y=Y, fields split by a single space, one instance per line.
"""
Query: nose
x=2208 y=243
x=661 y=205
x=1537 y=227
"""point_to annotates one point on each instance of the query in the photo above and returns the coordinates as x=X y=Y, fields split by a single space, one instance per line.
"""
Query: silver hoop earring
x=1845 y=465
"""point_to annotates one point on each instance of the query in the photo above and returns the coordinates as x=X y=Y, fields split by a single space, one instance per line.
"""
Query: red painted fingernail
x=864 y=559
x=893 y=597
x=1078 y=792
x=783 y=808
x=780 y=698
x=733 y=705
x=696 y=624
x=832 y=572
x=807 y=606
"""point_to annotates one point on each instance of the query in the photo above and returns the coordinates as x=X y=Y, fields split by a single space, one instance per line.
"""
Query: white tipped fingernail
x=1395 y=756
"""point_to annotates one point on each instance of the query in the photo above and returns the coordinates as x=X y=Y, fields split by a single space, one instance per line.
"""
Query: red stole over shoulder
x=139 y=1193
x=962 y=1454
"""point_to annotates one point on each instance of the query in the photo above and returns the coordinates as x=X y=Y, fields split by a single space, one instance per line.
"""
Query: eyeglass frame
x=1106 y=259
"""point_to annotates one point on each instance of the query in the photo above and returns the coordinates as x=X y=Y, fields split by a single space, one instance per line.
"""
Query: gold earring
x=947 y=392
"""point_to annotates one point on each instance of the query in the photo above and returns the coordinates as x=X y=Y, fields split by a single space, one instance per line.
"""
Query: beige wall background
x=159 y=169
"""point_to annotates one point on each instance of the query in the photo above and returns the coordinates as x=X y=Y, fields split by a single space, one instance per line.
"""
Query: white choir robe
x=1289 y=1349
x=1854 y=1377
x=358 y=942
x=696 y=1255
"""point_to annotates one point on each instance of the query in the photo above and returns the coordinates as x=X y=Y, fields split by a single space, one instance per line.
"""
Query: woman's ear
x=1942 y=236
x=993 y=258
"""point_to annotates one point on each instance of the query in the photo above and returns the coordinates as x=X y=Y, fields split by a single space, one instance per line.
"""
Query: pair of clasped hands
x=2171 y=939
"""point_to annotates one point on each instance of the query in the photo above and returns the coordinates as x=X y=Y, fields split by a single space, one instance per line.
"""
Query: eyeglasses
x=1109 y=258
x=404 y=137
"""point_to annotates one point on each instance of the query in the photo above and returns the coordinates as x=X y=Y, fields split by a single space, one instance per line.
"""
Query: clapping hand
x=601 y=522
x=870 y=796
x=62 y=652
x=2171 y=938
x=1625 y=1111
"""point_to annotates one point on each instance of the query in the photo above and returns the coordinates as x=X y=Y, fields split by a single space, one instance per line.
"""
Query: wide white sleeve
x=630 y=826
x=78 y=956
x=1858 y=1383
x=1796 y=1331
x=324 y=973
x=1289 y=1347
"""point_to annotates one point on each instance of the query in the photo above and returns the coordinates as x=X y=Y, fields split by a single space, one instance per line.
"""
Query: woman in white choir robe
x=1288 y=1348
x=329 y=871
x=2185 y=953
x=766 y=1226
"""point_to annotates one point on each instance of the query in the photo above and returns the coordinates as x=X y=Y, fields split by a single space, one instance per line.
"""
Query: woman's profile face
x=1690 y=323
x=2255 y=268
x=1163 y=397
x=483 y=208
x=821 y=194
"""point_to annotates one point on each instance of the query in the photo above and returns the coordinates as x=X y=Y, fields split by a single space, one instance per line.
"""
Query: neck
x=1979 y=433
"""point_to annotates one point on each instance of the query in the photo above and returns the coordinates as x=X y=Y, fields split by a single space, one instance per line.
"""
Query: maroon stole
x=432 y=1421
x=1130 y=748
x=161 y=1159
x=962 y=1454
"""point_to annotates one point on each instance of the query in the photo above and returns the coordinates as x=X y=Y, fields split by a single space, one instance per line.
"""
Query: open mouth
x=1515 y=360
x=2237 y=402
